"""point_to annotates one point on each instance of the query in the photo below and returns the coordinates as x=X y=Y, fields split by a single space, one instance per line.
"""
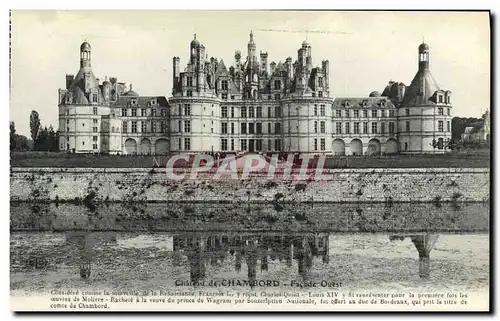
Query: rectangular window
x=251 y=112
x=223 y=144
x=243 y=128
x=323 y=144
x=224 y=96
x=143 y=112
x=322 y=127
x=124 y=127
x=277 y=84
x=95 y=129
x=134 y=127
x=320 y=94
x=276 y=96
x=277 y=128
x=407 y=111
x=440 y=126
x=163 y=127
x=153 y=127
x=224 y=112
x=269 y=128
x=94 y=98
x=391 y=128
x=258 y=128
x=315 y=110
x=269 y=145
x=243 y=144
x=322 y=110
x=124 y=112
x=440 y=99
x=315 y=126
x=251 y=128
x=382 y=128
x=259 y=112
x=320 y=82
x=243 y=112
x=356 y=113
x=448 y=126
x=374 y=128
x=365 y=113
x=163 y=112
x=187 y=143
x=179 y=126
x=407 y=126
x=232 y=128
x=143 y=126
x=189 y=93
x=374 y=113
x=94 y=138
x=258 y=144
x=338 y=128
x=187 y=110
x=93 y=120
x=232 y=112
x=365 y=128
x=224 y=128
x=180 y=110
x=232 y=144
x=189 y=81
x=94 y=146
x=356 y=128
x=347 y=128
x=223 y=84
x=391 y=113
x=187 y=126
x=338 y=113
x=440 y=111
x=277 y=144
x=153 y=112
x=94 y=110
x=134 y=112
x=315 y=144
x=277 y=111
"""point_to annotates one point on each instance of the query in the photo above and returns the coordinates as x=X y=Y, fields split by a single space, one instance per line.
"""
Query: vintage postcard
x=250 y=161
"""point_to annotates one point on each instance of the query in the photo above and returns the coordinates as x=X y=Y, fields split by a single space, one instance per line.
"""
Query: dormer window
x=133 y=102
x=94 y=98
x=382 y=103
x=223 y=84
x=440 y=99
x=320 y=82
x=189 y=81
x=365 y=103
x=277 y=84
x=347 y=103
x=153 y=102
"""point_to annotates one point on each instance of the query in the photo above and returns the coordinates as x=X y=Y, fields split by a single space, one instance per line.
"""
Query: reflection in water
x=424 y=243
x=84 y=245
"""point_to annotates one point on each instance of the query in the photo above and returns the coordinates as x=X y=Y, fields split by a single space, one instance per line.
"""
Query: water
x=355 y=247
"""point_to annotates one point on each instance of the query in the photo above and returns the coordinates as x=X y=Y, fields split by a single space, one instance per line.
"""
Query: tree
x=12 y=136
x=34 y=125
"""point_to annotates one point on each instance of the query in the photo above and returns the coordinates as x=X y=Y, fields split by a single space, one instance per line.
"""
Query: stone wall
x=341 y=185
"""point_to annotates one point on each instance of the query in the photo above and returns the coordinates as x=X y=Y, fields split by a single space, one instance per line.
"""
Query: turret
x=423 y=56
x=85 y=55
x=288 y=66
x=251 y=48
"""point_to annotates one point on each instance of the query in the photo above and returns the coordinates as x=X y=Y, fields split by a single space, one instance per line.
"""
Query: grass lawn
x=472 y=159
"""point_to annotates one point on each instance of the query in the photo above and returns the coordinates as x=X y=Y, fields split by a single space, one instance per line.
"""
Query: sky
x=365 y=50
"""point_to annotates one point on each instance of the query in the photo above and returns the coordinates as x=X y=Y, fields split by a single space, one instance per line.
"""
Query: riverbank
x=140 y=185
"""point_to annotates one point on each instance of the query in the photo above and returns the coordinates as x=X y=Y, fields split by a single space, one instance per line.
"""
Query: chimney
x=69 y=80
x=263 y=61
